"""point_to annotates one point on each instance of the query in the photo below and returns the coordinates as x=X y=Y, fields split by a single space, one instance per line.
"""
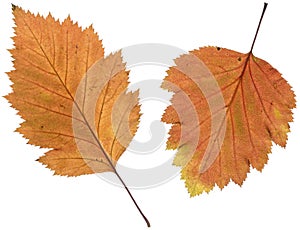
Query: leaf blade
x=258 y=111
x=51 y=60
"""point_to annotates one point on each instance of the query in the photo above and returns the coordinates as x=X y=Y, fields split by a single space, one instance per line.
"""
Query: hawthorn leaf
x=227 y=109
x=257 y=108
x=72 y=99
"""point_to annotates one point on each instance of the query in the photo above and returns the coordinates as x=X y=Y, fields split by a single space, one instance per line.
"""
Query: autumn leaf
x=56 y=91
x=254 y=109
x=73 y=100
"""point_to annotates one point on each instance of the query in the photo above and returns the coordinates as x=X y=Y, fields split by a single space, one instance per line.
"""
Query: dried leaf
x=255 y=111
x=82 y=113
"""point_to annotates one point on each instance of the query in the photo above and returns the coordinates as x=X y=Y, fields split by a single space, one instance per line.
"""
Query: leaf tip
x=13 y=7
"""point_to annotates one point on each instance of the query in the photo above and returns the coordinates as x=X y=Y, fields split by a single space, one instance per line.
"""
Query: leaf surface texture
x=58 y=68
x=257 y=110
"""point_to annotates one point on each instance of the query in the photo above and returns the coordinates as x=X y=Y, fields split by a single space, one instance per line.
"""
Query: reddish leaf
x=256 y=111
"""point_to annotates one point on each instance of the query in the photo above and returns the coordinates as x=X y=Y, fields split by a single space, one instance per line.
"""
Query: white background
x=31 y=198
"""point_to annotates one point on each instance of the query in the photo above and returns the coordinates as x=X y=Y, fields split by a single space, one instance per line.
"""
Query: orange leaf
x=79 y=111
x=254 y=111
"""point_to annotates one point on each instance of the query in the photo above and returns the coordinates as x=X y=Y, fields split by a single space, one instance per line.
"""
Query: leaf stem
x=261 y=18
x=110 y=162
x=129 y=193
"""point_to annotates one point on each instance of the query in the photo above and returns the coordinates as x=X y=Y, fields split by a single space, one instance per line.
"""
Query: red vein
x=50 y=110
x=53 y=45
x=40 y=86
x=86 y=77
x=246 y=116
x=206 y=119
x=67 y=57
x=82 y=158
x=234 y=144
x=34 y=51
x=266 y=77
x=36 y=66
x=215 y=139
x=117 y=131
x=102 y=107
x=260 y=98
x=59 y=134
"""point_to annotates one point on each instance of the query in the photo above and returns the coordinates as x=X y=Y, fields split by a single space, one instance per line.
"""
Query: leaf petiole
x=261 y=18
